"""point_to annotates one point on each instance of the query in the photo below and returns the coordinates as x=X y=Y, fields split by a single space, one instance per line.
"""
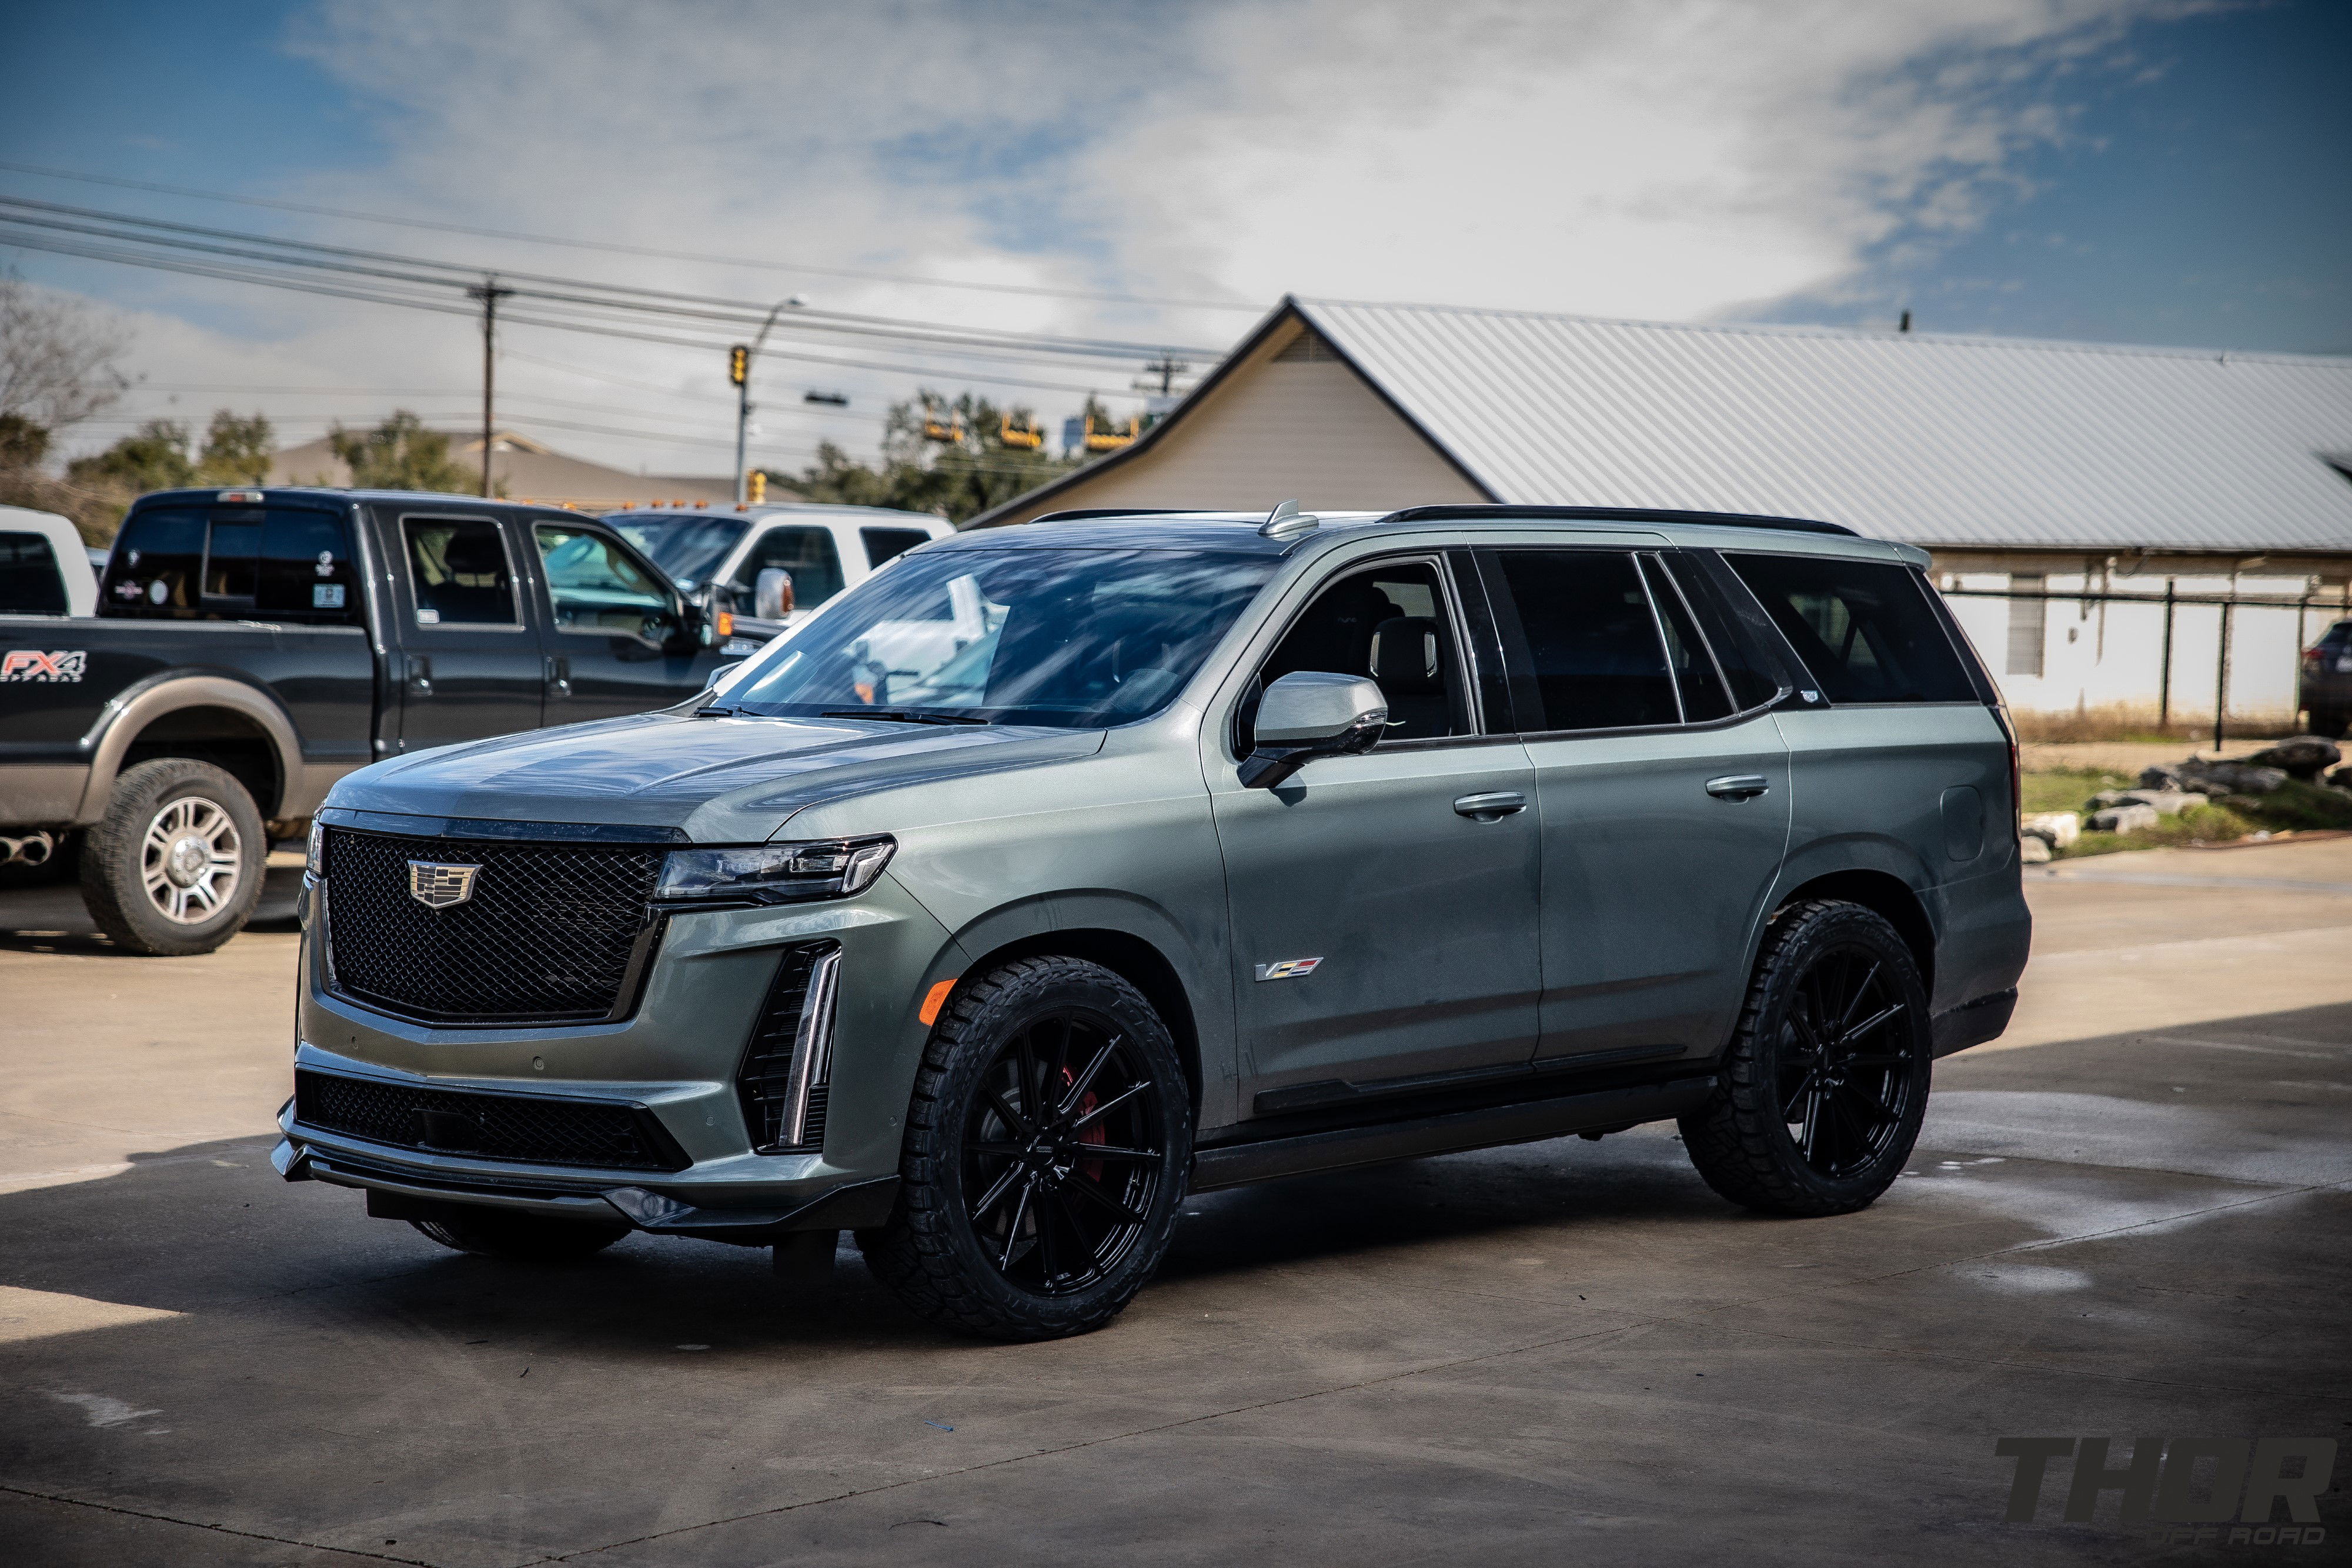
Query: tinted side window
x=1389 y=622
x=1696 y=676
x=29 y=581
x=306 y=573
x=1581 y=640
x=886 y=544
x=1753 y=684
x=156 y=562
x=1864 y=629
x=459 y=573
x=807 y=553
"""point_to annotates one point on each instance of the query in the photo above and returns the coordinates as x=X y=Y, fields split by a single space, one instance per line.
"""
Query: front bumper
x=673 y=1062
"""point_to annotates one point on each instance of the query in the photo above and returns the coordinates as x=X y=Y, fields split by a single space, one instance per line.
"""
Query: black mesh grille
x=546 y=936
x=520 y=1127
x=765 y=1082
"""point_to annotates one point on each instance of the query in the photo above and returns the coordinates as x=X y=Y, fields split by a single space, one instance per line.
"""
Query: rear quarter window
x=1864 y=629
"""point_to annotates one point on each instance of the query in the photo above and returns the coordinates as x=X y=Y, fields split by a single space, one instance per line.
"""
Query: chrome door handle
x=1492 y=807
x=1740 y=786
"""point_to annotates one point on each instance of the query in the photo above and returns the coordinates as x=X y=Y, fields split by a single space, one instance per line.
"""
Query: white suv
x=716 y=556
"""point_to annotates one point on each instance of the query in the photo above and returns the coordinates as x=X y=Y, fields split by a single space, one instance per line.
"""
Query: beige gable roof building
x=523 y=470
x=1977 y=447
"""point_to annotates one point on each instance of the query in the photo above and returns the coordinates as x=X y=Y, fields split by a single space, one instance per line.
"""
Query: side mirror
x=772 y=593
x=1310 y=713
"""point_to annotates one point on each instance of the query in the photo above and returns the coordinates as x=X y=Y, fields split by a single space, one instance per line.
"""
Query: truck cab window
x=156 y=567
x=596 y=588
x=807 y=553
x=29 y=582
x=457 y=570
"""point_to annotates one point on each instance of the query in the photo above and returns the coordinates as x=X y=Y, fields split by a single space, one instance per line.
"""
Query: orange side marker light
x=933 y=1001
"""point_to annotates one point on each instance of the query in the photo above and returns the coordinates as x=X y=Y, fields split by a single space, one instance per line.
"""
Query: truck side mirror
x=1309 y=713
x=772 y=593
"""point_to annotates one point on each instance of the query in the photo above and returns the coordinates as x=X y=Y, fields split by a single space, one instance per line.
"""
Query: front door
x=1383 y=907
x=616 y=639
x=1663 y=786
x=469 y=663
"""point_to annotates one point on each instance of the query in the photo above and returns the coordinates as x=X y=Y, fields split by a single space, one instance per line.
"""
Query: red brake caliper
x=1091 y=1169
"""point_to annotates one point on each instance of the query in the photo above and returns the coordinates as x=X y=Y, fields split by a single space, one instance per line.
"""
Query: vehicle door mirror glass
x=771 y=596
x=1309 y=713
x=457 y=570
x=595 y=586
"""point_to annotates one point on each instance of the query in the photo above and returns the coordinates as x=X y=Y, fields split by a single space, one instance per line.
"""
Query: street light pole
x=743 y=396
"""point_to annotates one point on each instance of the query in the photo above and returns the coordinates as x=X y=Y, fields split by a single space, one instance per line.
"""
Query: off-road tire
x=930 y=1252
x=113 y=884
x=517 y=1237
x=1740 y=1139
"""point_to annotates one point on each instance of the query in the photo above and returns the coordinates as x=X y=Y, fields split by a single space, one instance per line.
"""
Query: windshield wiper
x=901 y=715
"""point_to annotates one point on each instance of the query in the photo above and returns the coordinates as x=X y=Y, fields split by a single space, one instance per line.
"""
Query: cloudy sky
x=2140 y=170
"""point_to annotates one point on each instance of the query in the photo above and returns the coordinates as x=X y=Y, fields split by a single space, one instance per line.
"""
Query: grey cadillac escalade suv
x=1058 y=871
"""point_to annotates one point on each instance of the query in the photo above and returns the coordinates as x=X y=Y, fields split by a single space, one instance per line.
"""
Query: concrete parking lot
x=2129 y=1218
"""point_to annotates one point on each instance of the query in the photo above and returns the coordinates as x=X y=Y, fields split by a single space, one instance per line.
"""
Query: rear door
x=470 y=661
x=1663 y=788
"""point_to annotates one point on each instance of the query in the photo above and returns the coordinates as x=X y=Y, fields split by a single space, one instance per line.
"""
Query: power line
x=767 y=263
x=388 y=266
x=232 y=273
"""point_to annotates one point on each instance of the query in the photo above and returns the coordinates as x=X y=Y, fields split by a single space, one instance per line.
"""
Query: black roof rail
x=1622 y=514
x=1081 y=512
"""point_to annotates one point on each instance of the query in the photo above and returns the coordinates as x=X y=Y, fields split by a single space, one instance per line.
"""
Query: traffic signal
x=739 y=364
x=755 y=487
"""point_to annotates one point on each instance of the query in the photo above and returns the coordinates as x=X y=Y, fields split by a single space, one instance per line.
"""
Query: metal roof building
x=2000 y=455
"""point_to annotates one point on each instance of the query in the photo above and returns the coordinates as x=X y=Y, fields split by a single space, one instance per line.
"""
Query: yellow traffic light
x=739 y=364
x=755 y=487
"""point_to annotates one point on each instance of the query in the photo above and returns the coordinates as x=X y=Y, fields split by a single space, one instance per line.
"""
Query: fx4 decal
x=32 y=664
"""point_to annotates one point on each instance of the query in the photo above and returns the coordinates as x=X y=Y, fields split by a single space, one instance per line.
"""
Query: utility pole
x=489 y=294
x=1167 y=367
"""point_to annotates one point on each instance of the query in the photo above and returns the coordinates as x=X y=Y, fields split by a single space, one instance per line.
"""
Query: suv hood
x=721 y=780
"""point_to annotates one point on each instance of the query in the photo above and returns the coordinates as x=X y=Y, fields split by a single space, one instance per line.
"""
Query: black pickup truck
x=253 y=646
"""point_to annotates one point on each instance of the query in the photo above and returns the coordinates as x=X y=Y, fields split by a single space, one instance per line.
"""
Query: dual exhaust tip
x=33 y=849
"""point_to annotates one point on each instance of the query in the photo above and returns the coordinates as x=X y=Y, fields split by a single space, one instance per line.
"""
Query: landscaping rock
x=2341 y=778
x=2159 y=779
x=2052 y=830
x=2302 y=758
x=2125 y=818
x=2168 y=802
x=2230 y=778
x=2032 y=850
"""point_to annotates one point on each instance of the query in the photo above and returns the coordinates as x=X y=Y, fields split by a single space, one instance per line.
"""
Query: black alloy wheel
x=1844 y=1083
x=1047 y=1143
x=1825 y=1084
x=1061 y=1155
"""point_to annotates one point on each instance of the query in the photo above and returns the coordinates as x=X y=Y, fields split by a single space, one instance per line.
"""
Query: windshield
x=1074 y=639
x=689 y=549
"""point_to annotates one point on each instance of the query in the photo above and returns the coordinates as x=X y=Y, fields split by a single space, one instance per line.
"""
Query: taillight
x=2016 y=770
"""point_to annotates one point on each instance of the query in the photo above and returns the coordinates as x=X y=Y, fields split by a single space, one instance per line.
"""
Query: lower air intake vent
x=530 y=1128
x=788 y=1064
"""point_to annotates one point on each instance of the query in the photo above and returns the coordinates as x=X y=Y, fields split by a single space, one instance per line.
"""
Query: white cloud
x=1666 y=159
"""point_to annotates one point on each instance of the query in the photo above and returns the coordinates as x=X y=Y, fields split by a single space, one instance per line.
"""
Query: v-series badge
x=1288 y=970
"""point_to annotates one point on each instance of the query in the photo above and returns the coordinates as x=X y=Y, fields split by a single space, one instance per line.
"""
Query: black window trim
x=1486 y=553
x=1654 y=562
x=1434 y=558
x=407 y=573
